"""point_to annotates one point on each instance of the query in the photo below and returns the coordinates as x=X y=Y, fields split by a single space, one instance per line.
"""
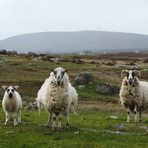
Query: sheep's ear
x=137 y=73
x=65 y=70
x=52 y=70
x=16 y=87
x=124 y=73
x=4 y=87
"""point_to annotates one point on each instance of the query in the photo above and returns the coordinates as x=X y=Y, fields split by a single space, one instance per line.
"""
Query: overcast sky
x=27 y=16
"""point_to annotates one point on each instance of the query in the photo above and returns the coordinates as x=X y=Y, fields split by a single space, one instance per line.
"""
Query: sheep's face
x=131 y=75
x=10 y=90
x=59 y=75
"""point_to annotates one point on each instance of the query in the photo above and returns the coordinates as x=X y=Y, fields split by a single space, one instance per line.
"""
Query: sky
x=28 y=16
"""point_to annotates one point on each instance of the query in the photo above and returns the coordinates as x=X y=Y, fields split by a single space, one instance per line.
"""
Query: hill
x=75 y=42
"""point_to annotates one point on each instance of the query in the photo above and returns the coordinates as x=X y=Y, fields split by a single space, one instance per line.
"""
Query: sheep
x=133 y=94
x=74 y=98
x=12 y=103
x=55 y=96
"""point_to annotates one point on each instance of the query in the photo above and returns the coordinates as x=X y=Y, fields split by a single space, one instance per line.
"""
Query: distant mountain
x=75 y=42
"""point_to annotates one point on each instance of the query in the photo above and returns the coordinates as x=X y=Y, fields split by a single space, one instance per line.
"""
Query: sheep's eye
x=13 y=90
x=8 y=89
x=55 y=72
x=133 y=74
x=62 y=73
x=128 y=75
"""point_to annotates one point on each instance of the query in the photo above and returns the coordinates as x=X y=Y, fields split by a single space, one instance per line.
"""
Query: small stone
x=75 y=133
x=114 y=117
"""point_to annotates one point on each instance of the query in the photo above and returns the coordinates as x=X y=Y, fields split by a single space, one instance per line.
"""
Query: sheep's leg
x=59 y=121
x=128 y=115
x=136 y=113
x=49 y=119
x=39 y=107
x=15 y=117
x=73 y=109
x=7 y=118
x=136 y=116
x=19 y=116
x=140 y=116
x=39 y=111
x=54 y=121
x=67 y=119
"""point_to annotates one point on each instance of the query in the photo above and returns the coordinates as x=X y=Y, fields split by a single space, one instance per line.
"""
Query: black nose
x=10 y=95
x=130 y=81
x=58 y=82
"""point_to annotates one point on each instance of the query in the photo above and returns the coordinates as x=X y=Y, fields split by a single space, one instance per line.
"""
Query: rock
x=42 y=55
x=3 y=51
x=12 y=52
x=110 y=63
x=84 y=78
x=145 y=60
x=77 y=61
x=119 y=126
x=77 y=132
x=94 y=62
x=114 y=117
x=58 y=60
x=31 y=54
x=31 y=69
x=131 y=63
x=107 y=89
x=9 y=132
x=136 y=67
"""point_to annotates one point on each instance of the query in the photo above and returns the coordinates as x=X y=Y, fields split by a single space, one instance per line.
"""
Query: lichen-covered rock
x=107 y=89
x=84 y=78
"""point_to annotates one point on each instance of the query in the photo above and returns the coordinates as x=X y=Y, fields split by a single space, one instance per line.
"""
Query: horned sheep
x=133 y=94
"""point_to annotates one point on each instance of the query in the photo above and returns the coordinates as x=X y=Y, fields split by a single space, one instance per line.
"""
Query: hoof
x=6 y=123
x=59 y=128
x=15 y=124
x=53 y=128
x=67 y=125
x=47 y=125
x=137 y=121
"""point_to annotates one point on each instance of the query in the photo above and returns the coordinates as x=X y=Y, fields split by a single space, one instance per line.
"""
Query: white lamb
x=74 y=98
x=12 y=103
x=55 y=96
x=133 y=94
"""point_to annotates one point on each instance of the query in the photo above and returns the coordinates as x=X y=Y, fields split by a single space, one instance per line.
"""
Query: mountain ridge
x=76 y=41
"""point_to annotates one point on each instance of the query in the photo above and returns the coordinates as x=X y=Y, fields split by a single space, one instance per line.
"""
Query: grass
x=93 y=126
x=88 y=129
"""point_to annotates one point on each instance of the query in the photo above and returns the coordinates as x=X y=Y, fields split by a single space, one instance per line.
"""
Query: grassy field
x=92 y=127
x=88 y=129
